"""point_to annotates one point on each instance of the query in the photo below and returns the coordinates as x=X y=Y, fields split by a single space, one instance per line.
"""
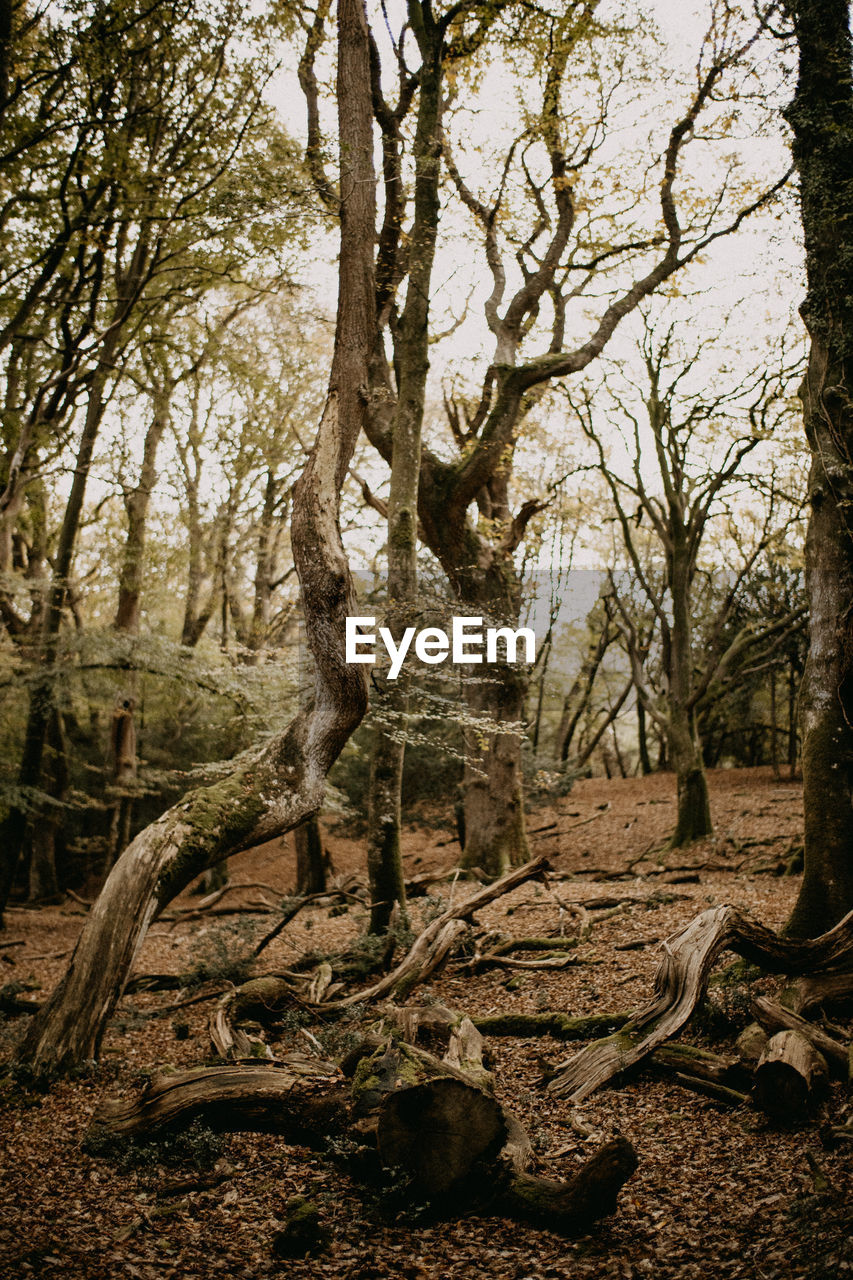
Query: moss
x=303 y=1232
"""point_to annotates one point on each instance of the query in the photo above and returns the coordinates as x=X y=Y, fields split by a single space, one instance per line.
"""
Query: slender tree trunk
x=411 y=348
x=310 y=857
x=137 y=503
x=684 y=749
x=774 y=742
x=643 y=740
x=270 y=791
x=495 y=837
x=821 y=117
x=13 y=832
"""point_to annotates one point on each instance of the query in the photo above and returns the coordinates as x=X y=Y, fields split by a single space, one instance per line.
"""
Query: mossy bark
x=495 y=836
x=821 y=116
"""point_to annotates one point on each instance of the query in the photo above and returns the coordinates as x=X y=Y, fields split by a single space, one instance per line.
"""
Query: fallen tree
x=680 y=984
x=406 y=1114
x=272 y=790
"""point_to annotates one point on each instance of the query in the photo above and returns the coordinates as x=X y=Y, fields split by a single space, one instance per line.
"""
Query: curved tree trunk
x=273 y=789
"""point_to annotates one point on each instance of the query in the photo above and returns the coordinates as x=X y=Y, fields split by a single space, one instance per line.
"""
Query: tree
x=821 y=118
x=271 y=790
x=138 y=218
x=563 y=245
x=699 y=439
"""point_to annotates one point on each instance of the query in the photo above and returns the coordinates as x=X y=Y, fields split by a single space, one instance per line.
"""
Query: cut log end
x=439 y=1133
x=790 y=1079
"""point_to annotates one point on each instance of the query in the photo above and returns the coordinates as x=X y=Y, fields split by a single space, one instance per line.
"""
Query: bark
x=821 y=116
x=384 y=859
x=774 y=1018
x=137 y=502
x=310 y=858
x=421 y=1118
x=271 y=790
x=495 y=837
x=680 y=984
x=790 y=1079
x=13 y=832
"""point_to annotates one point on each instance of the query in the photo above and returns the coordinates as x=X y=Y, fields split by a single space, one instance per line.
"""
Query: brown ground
x=718 y=1193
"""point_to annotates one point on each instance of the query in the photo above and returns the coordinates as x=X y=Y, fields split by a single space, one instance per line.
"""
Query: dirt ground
x=719 y=1192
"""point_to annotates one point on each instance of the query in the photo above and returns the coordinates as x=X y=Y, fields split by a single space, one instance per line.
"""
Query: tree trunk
x=693 y=821
x=13 y=832
x=271 y=790
x=411 y=351
x=495 y=837
x=643 y=740
x=790 y=1078
x=310 y=858
x=694 y=806
x=821 y=117
x=137 y=502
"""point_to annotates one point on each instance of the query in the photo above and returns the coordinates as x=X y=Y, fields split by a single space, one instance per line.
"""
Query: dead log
x=570 y=1206
x=561 y=1026
x=750 y=1044
x=791 y=1077
x=432 y=947
x=773 y=1017
x=454 y=1143
x=821 y=988
x=299 y=1099
x=440 y=1134
x=680 y=983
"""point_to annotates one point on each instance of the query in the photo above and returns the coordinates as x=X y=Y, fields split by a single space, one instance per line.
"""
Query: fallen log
x=298 y=1098
x=561 y=1026
x=680 y=983
x=773 y=1017
x=432 y=947
x=822 y=988
x=428 y=1120
x=790 y=1079
x=569 y=1206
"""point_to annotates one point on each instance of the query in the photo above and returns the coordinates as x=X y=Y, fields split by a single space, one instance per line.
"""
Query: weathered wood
x=561 y=1026
x=432 y=947
x=790 y=1078
x=680 y=983
x=751 y=1043
x=822 y=988
x=299 y=1099
x=438 y=1133
x=774 y=1017
x=432 y=1120
x=690 y=1060
x=571 y=1206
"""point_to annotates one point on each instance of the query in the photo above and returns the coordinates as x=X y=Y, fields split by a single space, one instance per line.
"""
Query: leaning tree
x=273 y=789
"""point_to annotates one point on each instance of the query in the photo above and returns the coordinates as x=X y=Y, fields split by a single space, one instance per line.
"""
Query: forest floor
x=719 y=1191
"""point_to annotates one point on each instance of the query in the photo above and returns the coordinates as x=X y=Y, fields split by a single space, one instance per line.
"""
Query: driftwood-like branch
x=432 y=947
x=296 y=1098
x=680 y=984
x=774 y=1018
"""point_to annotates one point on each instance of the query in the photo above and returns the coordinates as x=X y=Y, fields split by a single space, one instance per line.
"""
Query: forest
x=426 y=639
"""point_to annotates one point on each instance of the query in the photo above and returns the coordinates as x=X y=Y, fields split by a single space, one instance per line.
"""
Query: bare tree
x=699 y=440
